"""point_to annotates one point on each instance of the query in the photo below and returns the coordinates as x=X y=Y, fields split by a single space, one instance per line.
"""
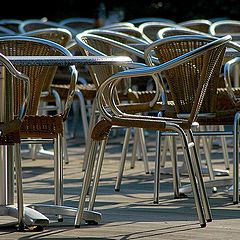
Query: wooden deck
x=130 y=213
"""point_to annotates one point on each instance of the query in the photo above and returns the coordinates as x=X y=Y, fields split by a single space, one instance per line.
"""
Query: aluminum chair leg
x=192 y=175
x=205 y=202
x=123 y=159
x=157 y=169
x=83 y=114
x=236 y=158
x=19 y=184
x=143 y=149
x=175 y=172
x=58 y=172
x=86 y=183
x=139 y=142
x=97 y=175
x=135 y=148
x=92 y=122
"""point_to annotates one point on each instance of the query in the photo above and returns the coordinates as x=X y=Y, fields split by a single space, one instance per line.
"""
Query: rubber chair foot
x=209 y=220
x=203 y=225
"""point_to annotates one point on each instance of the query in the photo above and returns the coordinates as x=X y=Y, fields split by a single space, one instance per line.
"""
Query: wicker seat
x=138 y=21
x=47 y=128
x=10 y=128
x=203 y=52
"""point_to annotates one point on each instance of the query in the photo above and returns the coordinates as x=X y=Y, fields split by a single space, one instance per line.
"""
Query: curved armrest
x=71 y=91
x=228 y=69
x=13 y=125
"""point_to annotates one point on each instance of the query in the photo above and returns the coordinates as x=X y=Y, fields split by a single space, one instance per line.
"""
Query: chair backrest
x=173 y=31
x=185 y=81
x=117 y=36
x=58 y=35
x=130 y=30
x=6 y=31
x=78 y=24
x=223 y=27
x=34 y=24
x=150 y=29
x=201 y=25
x=91 y=44
x=11 y=24
x=40 y=76
x=138 y=21
x=118 y=24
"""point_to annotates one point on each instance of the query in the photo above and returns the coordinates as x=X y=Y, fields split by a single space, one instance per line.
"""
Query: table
x=34 y=213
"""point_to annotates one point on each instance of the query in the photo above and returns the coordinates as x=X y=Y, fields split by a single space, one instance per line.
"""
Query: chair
x=63 y=37
x=36 y=127
x=91 y=44
x=34 y=24
x=150 y=29
x=130 y=30
x=223 y=27
x=201 y=25
x=6 y=31
x=11 y=24
x=206 y=57
x=10 y=128
x=78 y=24
x=138 y=21
x=117 y=24
x=226 y=114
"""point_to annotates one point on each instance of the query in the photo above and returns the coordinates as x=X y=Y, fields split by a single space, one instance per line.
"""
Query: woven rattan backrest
x=169 y=31
x=186 y=81
x=150 y=29
x=223 y=27
x=34 y=24
x=117 y=36
x=38 y=75
x=201 y=25
x=91 y=44
x=58 y=35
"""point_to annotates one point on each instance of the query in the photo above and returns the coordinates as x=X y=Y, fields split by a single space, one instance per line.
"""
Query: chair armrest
x=228 y=70
x=71 y=91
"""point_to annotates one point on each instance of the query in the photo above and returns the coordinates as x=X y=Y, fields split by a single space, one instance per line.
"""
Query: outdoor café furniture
x=34 y=213
x=203 y=52
x=10 y=129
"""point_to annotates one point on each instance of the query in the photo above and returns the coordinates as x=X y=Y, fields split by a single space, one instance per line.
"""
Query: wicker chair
x=11 y=24
x=131 y=30
x=138 y=21
x=201 y=25
x=226 y=108
x=10 y=128
x=78 y=24
x=204 y=51
x=223 y=27
x=42 y=128
x=97 y=45
x=150 y=29
x=34 y=24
